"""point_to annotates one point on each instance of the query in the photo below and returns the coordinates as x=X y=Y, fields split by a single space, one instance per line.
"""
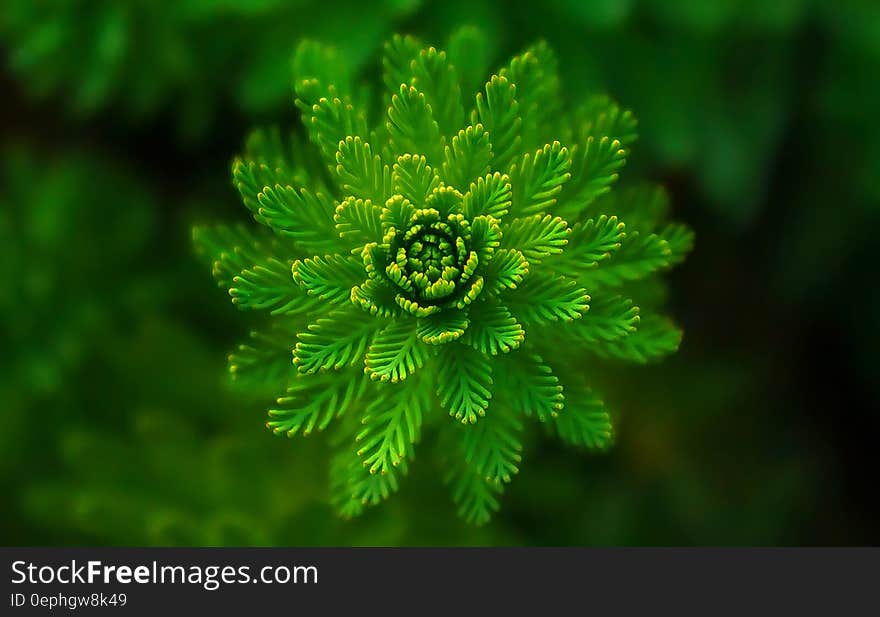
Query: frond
x=304 y=217
x=537 y=236
x=264 y=360
x=229 y=249
x=538 y=178
x=464 y=381
x=443 y=327
x=322 y=63
x=600 y=117
x=467 y=158
x=485 y=236
x=391 y=427
x=585 y=422
x=333 y=342
x=361 y=172
x=530 y=387
x=595 y=166
x=250 y=178
x=329 y=121
x=642 y=206
x=414 y=178
x=493 y=447
x=475 y=496
x=377 y=299
x=396 y=352
x=268 y=285
x=489 y=196
x=311 y=403
x=639 y=256
x=329 y=278
x=397 y=213
x=493 y=329
x=271 y=159
x=535 y=74
x=680 y=239
x=655 y=338
x=610 y=318
x=411 y=125
x=445 y=199
x=399 y=52
x=469 y=52
x=358 y=221
x=506 y=270
x=544 y=298
x=498 y=112
x=353 y=487
x=590 y=243
x=434 y=75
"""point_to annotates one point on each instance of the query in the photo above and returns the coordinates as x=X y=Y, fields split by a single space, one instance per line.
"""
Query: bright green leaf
x=464 y=381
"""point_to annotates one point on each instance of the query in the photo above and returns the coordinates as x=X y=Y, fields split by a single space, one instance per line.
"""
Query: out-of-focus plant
x=73 y=228
x=133 y=58
x=439 y=252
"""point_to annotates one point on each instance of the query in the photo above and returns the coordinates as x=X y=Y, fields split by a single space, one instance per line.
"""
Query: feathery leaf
x=330 y=121
x=488 y=196
x=358 y=221
x=396 y=352
x=329 y=278
x=333 y=342
x=269 y=285
x=538 y=178
x=467 y=158
x=305 y=218
x=362 y=173
x=543 y=298
x=498 y=112
x=414 y=178
x=655 y=338
x=506 y=270
x=411 y=125
x=585 y=421
x=391 y=427
x=494 y=330
x=537 y=236
x=601 y=117
x=434 y=75
x=639 y=255
x=311 y=404
x=530 y=387
x=590 y=243
x=476 y=497
x=609 y=318
x=464 y=381
x=595 y=166
x=492 y=448
x=443 y=327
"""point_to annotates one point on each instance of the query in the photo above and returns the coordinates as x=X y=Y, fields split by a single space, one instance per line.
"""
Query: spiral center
x=429 y=256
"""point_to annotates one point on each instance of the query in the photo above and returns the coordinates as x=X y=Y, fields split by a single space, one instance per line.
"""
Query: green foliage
x=451 y=262
x=135 y=59
x=59 y=304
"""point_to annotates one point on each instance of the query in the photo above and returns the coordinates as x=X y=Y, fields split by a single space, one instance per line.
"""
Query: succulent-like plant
x=440 y=257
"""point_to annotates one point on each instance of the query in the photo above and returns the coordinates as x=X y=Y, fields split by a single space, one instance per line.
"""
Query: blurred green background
x=118 y=425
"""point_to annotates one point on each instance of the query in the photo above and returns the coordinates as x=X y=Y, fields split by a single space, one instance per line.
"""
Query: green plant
x=443 y=259
x=133 y=59
x=70 y=259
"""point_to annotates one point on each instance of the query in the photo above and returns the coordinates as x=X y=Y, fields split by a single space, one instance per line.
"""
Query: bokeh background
x=118 y=425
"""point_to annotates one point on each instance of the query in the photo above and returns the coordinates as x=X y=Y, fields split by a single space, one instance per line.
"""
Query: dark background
x=119 y=427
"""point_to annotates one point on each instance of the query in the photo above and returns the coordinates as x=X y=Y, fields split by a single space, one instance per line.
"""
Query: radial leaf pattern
x=450 y=249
